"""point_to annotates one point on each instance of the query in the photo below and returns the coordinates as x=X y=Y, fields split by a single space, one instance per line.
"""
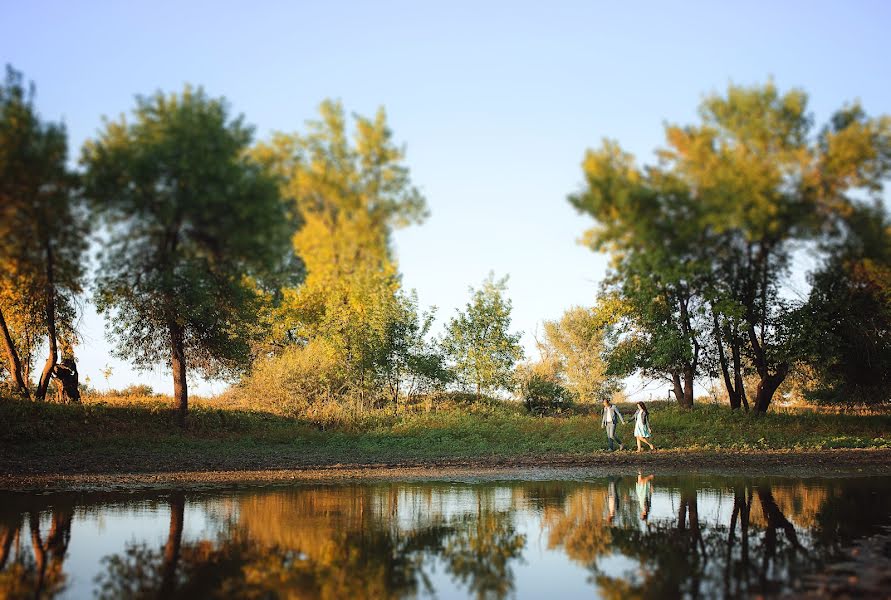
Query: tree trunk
x=737 y=369
x=15 y=365
x=173 y=545
x=178 y=366
x=49 y=293
x=678 y=390
x=769 y=381
x=688 y=388
x=732 y=390
x=767 y=386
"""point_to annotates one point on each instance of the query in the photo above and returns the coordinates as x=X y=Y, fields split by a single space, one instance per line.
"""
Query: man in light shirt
x=611 y=417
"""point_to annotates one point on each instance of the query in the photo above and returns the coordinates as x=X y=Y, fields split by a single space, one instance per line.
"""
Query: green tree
x=709 y=233
x=766 y=183
x=42 y=235
x=410 y=362
x=479 y=343
x=847 y=319
x=349 y=195
x=195 y=231
x=649 y=221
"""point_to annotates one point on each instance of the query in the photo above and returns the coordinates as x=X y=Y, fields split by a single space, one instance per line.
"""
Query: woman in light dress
x=642 y=426
x=644 y=494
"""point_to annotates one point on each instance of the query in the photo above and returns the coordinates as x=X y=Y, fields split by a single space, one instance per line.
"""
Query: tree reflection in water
x=31 y=563
x=707 y=537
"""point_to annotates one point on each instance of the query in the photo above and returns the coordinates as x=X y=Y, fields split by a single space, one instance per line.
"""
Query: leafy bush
x=292 y=381
x=137 y=389
x=541 y=389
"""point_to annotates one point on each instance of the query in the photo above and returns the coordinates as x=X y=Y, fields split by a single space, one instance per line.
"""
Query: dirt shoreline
x=775 y=462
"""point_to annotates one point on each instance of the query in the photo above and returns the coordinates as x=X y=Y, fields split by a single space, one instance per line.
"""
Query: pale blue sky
x=495 y=102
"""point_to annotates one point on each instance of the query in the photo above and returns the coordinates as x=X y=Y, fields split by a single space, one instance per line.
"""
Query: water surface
x=616 y=537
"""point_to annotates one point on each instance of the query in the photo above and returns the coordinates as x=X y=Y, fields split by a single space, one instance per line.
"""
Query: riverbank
x=819 y=463
x=108 y=436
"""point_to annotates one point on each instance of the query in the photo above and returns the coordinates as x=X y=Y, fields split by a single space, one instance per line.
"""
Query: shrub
x=292 y=381
x=541 y=389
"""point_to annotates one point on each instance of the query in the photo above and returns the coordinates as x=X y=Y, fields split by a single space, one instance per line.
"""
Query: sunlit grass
x=140 y=432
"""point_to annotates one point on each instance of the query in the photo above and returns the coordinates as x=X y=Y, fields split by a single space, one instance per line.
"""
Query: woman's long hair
x=644 y=409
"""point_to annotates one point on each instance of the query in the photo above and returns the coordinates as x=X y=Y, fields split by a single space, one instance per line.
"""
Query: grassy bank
x=108 y=434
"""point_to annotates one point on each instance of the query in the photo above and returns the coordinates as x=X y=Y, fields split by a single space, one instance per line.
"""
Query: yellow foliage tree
x=349 y=194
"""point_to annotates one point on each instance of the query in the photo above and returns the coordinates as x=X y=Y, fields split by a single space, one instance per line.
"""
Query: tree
x=578 y=342
x=196 y=231
x=410 y=362
x=766 y=184
x=42 y=235
x=846 y=322
x=349 y=196
x=478 y=340
x=703 y=242
x=648 y=220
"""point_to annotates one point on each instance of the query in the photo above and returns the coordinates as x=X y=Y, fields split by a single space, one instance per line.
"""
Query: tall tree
x=196 y=231
x=648 y=220
x=479 y=343
x=705 y=239
x=350 y=189
x=846 y=322
x=765 y=184
x=42 y=233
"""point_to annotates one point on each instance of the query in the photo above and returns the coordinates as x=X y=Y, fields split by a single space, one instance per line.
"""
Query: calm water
x=618 y=537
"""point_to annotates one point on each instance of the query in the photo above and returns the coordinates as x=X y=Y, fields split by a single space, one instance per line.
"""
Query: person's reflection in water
x=612 y=499
x=644 y=494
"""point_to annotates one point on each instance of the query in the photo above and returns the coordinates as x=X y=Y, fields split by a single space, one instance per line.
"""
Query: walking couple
x=611 y=417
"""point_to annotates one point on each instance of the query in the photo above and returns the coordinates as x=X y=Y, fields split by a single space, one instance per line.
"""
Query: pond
x=634 y=535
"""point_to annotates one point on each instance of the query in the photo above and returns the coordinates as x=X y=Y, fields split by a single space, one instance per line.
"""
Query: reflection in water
x=620 y=537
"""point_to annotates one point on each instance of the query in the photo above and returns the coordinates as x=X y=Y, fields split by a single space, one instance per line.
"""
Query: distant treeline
x=271 y=262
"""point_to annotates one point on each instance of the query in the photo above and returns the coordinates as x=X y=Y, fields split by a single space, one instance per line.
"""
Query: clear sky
x=496 y=103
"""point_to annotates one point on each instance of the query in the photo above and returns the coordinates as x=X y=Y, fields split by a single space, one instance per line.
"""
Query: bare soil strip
x=785 y=463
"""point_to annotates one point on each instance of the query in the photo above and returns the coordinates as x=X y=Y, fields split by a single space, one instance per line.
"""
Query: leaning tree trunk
x=178 y=365
x=733 y=385
x=767 y=386
x=769 y=382
x=173 y=545
x=683 y=392
x=677 y=388
x=15 y=364
x=49 y=294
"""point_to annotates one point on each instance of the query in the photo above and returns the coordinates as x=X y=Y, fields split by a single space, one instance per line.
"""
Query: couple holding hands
x=611 y=417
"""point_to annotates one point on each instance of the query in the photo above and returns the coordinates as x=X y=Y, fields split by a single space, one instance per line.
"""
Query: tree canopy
x=703 y=241
x=478 y=340
x=42 y=235
x=195 y=230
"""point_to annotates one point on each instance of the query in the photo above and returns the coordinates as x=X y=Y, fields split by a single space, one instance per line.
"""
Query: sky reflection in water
x=629 y=536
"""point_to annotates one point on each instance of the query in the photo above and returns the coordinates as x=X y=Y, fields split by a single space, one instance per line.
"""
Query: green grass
x=140 y=434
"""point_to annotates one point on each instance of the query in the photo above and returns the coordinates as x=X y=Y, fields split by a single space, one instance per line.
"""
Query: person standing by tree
x=608 y=420
x=642 y=426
